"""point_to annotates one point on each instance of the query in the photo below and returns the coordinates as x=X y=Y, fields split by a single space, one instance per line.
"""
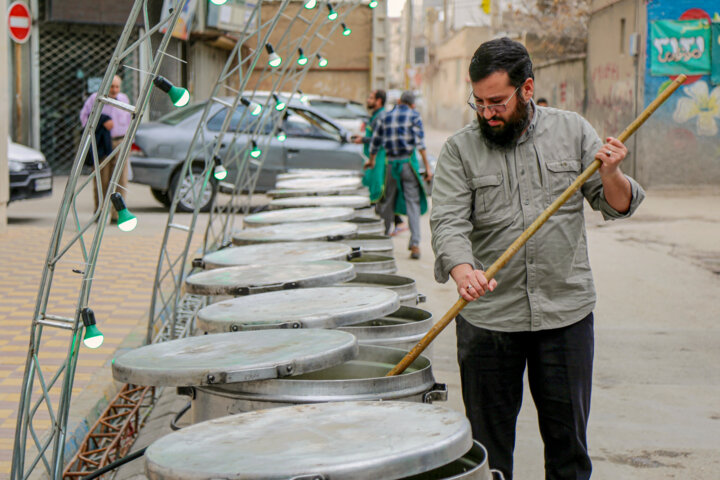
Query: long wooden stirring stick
x=530 y=231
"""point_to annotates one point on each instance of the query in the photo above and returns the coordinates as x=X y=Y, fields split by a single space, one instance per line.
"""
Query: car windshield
x=358 y=108
x=177 y=116
x=246 y=122
x=303 y=123
x=335 y=109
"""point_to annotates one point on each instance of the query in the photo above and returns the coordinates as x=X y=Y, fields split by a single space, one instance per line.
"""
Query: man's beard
x=505 y=136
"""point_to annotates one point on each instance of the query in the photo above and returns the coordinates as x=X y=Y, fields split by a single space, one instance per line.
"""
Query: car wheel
x=162 y=197
x=188 y=188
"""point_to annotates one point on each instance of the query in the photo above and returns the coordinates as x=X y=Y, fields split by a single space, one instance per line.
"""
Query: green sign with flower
x=680 y=46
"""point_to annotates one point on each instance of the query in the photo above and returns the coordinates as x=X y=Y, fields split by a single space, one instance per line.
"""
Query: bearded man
x=493 y=178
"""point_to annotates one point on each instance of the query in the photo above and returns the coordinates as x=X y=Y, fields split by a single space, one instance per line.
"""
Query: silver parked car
x=313 y=141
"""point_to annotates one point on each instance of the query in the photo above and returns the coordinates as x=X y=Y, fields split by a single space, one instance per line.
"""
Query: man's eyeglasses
x=498 y=108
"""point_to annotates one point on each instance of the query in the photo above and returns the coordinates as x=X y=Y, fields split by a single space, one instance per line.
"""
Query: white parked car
x=30 y=174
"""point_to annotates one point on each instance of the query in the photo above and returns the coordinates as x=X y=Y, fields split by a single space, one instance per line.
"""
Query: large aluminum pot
x=360 y=379
x=378 y=244
x=404 y=286
x=471 y=466
x=401 y=329
x=372 y=263
x=368 y=225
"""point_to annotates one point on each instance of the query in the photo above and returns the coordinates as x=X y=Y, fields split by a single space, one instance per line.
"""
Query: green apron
x=374 y=178
x=396 y=167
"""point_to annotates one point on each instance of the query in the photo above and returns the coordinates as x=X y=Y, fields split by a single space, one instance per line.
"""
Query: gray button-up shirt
x=484 y=198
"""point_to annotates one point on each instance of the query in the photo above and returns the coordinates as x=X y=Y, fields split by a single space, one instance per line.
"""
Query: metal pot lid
x=304 y=192
x=328 y=307
x=252 y=279
x=352 y=201
x=338 y=441
x=311 y=183
x=296 y=232
x=367 y=243
x=317 y=172
x=277 y=254
x=298 y=215
x=234 y=357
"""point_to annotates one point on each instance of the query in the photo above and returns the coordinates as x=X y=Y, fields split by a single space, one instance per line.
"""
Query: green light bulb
x=218 y=2
x=322 y=62
x=332 y=15
x=302 y=60
x=275 y=60
x=256 y=110
x=373 y=4
x=346 y=30
x=310 y=4
x=255 y=152
x=220 y=172
x=126 y=221
x=93 y=338
x=281 y=136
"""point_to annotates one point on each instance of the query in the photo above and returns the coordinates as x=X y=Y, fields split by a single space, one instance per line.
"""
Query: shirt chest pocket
x=560 y=175
x=490 y=203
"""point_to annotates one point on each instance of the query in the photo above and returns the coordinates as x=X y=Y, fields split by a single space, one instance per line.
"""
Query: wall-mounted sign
x=182 y=28
x=680 y=46
x=230 y=17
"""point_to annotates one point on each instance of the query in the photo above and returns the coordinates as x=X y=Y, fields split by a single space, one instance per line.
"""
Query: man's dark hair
x=407 y=98
x=381 y=95
x=501 y=55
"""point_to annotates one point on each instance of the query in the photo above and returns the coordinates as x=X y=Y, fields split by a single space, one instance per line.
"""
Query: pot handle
x=421 y=298
x=497 y=473
x=356 y=253
x=438 y=393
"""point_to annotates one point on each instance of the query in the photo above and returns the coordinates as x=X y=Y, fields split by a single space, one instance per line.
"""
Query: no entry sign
x=19 y=22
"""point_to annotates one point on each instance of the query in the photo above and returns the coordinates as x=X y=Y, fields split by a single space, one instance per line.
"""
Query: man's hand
x=370 y=163
x=356 y=139
x=428 y=175
x=471 y=283
x=611 y=154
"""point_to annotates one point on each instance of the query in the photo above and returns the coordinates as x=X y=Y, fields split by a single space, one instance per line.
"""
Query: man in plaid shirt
x=400 y=132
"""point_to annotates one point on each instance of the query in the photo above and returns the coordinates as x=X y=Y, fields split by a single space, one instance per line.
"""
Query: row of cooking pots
x=282 y=359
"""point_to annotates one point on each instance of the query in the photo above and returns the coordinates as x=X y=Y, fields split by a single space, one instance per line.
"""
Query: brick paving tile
x=120 y=296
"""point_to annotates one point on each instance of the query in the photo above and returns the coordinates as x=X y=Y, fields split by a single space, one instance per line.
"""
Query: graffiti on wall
x=614 y=93
x=695 y=109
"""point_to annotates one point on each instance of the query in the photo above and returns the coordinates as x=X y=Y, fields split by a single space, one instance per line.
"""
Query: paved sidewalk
x=120 y=298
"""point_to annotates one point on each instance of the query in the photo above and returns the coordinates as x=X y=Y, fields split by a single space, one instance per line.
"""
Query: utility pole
x=408 y=45
x=4 y=121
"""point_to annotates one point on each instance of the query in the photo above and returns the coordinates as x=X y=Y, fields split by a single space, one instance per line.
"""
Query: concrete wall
x=676 y=152
x=348 y=71
x=612 y=72
x=447 y=84
x=562 y=83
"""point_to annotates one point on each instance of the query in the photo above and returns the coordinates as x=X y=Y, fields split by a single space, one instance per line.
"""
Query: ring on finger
x=608 y=153
x=469 y=287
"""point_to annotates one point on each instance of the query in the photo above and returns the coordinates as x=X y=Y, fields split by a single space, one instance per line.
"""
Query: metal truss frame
x=168 y=317
x=114 y=432
x=45 y=383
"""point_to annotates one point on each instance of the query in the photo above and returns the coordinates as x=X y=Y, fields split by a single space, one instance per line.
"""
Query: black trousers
x=559 y=364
